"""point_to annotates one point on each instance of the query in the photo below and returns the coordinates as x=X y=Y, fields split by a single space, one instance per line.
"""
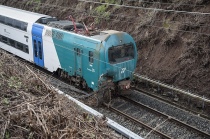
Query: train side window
x=78 y=51
x=8 y=21
x=17 y=24
x=4 y=39
x=40 y=49
x=2 y=19
x=26 y=49
x=90 y=56
x=24 y=26
x=35 y=48
x=12 y=42
x=19 y=46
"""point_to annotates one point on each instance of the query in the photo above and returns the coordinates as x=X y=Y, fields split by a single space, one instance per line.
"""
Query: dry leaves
x=30 y=109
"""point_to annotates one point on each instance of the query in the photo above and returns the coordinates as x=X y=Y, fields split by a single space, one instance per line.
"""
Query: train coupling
x=124 y=85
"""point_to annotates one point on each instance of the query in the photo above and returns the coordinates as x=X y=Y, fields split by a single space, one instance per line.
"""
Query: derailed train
x=104 y=60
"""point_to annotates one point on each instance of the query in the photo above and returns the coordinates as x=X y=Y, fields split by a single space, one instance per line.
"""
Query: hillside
x=173 y=46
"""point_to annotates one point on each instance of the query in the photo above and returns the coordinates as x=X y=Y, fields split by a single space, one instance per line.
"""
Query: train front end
x=121 y=58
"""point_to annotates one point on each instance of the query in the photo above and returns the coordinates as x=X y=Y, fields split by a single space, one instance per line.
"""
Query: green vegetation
x=14 y=82
x=7 y=136
x=38 y=7
x=111 y=1
x=102 y=10
x=33 y=1
x=5 y=101
x=37 y=1
x=166 y=24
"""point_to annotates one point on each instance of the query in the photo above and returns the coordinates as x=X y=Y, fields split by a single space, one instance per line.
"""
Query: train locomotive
x=104 y=60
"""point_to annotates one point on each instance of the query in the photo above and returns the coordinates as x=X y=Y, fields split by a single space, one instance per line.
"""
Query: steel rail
x=137 y=121
x=172 y=88
x=166 y=116
x=172 y=103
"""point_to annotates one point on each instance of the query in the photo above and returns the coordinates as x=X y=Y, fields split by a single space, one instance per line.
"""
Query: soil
x=173 y=47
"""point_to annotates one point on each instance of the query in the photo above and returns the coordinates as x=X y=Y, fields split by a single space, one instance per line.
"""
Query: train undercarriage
x=106 y=91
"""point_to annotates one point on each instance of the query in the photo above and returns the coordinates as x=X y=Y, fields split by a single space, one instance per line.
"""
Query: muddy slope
x=173 y=47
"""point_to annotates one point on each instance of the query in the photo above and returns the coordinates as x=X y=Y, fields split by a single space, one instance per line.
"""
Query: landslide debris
x=30 y=109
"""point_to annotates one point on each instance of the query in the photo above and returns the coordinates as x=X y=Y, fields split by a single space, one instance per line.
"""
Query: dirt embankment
x=173 y=47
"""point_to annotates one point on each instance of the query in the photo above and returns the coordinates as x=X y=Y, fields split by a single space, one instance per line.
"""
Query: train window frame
x=35 y=48
x=91 y=54
x=8 y=21
x=26 y=49
x=13 y=23
x=24 y=26
x=40 y=49
x=19 y=46
x=17 y=24
x=22 y=47
x=12 y=42
x=125 y=54
x=78 y=51
x=4 y=41
x=2 y=19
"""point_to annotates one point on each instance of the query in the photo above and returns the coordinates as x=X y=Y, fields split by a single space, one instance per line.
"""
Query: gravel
x=189 y=118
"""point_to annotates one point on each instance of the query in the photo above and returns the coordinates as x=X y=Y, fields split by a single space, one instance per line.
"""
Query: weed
x=38 y=1
x=101 y=9
x=5 y=101
x=102 y=12
x=111 y=1
x=7 y=136
x=14 y=82
x=38 y=7
x=166 y=24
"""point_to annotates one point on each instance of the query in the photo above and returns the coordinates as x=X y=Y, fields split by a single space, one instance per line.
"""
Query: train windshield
x=121 y=53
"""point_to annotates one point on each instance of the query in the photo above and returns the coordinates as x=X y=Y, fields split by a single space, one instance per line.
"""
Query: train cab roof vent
x=46 y=20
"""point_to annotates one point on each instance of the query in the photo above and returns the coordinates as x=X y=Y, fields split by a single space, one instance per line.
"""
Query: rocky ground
x=173 y=47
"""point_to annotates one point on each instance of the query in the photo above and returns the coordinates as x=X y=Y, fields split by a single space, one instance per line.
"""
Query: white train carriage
x=21 y=35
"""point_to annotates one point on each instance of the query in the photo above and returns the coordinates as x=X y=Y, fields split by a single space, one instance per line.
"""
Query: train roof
x=26 y=16
x=105 y=34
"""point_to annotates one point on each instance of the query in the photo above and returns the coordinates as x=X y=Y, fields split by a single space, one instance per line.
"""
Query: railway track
x=158 y=127
x=157 y=122
x=171 y=101
x=175 y=96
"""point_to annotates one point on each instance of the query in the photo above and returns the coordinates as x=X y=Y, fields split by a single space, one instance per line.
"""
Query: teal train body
x=74 y=55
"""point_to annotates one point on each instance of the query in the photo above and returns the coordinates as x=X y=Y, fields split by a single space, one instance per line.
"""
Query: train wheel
x=99 y=97
x=107 y=95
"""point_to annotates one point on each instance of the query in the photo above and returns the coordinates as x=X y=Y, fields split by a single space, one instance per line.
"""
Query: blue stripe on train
x=38 y=44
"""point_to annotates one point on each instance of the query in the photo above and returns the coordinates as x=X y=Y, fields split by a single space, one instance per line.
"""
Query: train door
x=38 y=51
x=78 y=60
